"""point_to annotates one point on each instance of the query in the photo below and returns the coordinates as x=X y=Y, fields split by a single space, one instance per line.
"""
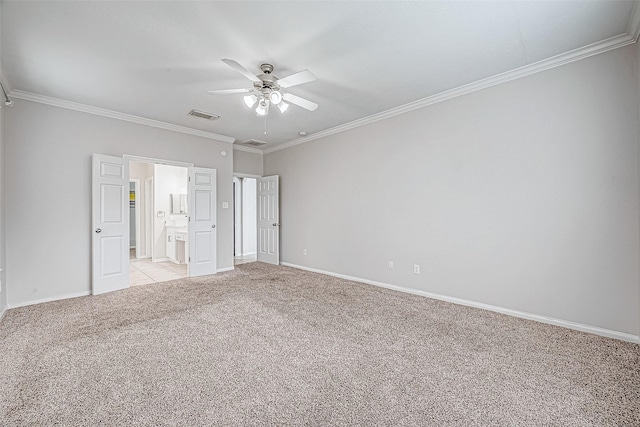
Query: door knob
x=275 y=225
x=213 y=226
x=98 y=230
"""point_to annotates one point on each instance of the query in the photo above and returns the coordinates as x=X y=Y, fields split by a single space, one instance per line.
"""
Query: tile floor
x=144 y=271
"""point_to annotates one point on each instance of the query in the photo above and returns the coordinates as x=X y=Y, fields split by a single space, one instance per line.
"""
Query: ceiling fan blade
x=239 y=68
x=300 y=102
x=304 y=76
x=228 y=91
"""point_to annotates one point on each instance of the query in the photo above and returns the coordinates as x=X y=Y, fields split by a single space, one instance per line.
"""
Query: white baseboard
x=161 y=259
x=220 y=270
x=3 y=313
x=515 y=313
x=56 y=298
x=250 y=253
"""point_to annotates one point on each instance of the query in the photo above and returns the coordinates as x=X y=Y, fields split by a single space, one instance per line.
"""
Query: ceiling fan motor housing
x=268 y=83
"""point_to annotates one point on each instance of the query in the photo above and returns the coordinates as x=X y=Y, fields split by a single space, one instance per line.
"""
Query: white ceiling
x=158 y=59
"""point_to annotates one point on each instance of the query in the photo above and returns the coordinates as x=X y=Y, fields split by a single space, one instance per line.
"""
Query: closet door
x=268 y=220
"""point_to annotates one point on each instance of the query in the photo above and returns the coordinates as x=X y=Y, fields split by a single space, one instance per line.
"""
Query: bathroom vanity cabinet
x=177 y=248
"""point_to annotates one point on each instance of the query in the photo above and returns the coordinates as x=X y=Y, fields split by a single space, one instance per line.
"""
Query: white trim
x=4 y=312
x=148 y=216
x=629 y=37
x=633 y=26
x=515 y=313
x=246 y=175
x=247 y=149
x=161 y=259
x=51 y=299
x=4 y=79
x=136 y=207
x=221 y=270
x=527 y=70
x=141 y=159
x=34 y=97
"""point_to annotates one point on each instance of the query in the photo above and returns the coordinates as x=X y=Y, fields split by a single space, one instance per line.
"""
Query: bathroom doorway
x=245 y=220
x=159 y=222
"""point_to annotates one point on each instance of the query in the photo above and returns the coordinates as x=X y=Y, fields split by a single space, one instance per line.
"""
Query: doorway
x=245 y=220
x=110 y=200
x=158 y=223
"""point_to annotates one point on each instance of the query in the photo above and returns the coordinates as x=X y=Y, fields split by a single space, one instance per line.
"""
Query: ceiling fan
x=267 y=89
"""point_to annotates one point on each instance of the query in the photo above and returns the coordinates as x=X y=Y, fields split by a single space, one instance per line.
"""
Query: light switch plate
x=225 y=205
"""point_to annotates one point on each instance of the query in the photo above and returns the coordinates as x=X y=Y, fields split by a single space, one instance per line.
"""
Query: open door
x=202 y=221
x=268 y=220
x=110 y=224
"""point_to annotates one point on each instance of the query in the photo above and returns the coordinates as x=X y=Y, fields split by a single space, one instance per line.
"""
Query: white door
x=202 y=221
x=110 y=224
x=268 y=220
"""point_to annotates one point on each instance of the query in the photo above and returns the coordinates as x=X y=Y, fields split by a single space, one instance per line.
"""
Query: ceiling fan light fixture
x=263 y=107
x=275 y=97
x=283 y=107
x=250 y=100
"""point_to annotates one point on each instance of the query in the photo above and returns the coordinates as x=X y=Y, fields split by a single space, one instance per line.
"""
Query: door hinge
x=189 y=219
x=189 y=259
x=189 y=179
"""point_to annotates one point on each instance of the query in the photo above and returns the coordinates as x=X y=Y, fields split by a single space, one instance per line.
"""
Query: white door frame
x=237 y=217
x=136 y=204
x=242 y=175
x=156 y=161
x=148 y=217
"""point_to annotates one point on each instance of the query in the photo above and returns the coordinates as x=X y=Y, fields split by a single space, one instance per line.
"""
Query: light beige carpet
x=265 y=345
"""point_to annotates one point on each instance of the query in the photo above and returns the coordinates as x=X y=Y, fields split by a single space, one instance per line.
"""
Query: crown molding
x=6 y=84
x=247 y=149
x=633 y=26
x=28 y=96
x=537 y=67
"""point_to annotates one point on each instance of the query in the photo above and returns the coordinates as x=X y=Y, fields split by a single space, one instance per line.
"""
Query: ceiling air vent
x=254 y=142
x=203 y=115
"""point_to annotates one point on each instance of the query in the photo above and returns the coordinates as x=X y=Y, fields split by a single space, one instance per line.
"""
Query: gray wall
x=48 y=204
x=3 y=287
x=3 y=282
x=246 y=162
x=522 y=196
x=637 y=70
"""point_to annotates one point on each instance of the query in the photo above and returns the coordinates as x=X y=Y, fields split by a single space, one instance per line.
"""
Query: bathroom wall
x=167 y=180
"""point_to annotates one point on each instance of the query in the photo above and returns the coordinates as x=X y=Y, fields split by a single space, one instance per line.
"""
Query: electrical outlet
x=304 y=252
x=416 y=268
x=390 y=265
